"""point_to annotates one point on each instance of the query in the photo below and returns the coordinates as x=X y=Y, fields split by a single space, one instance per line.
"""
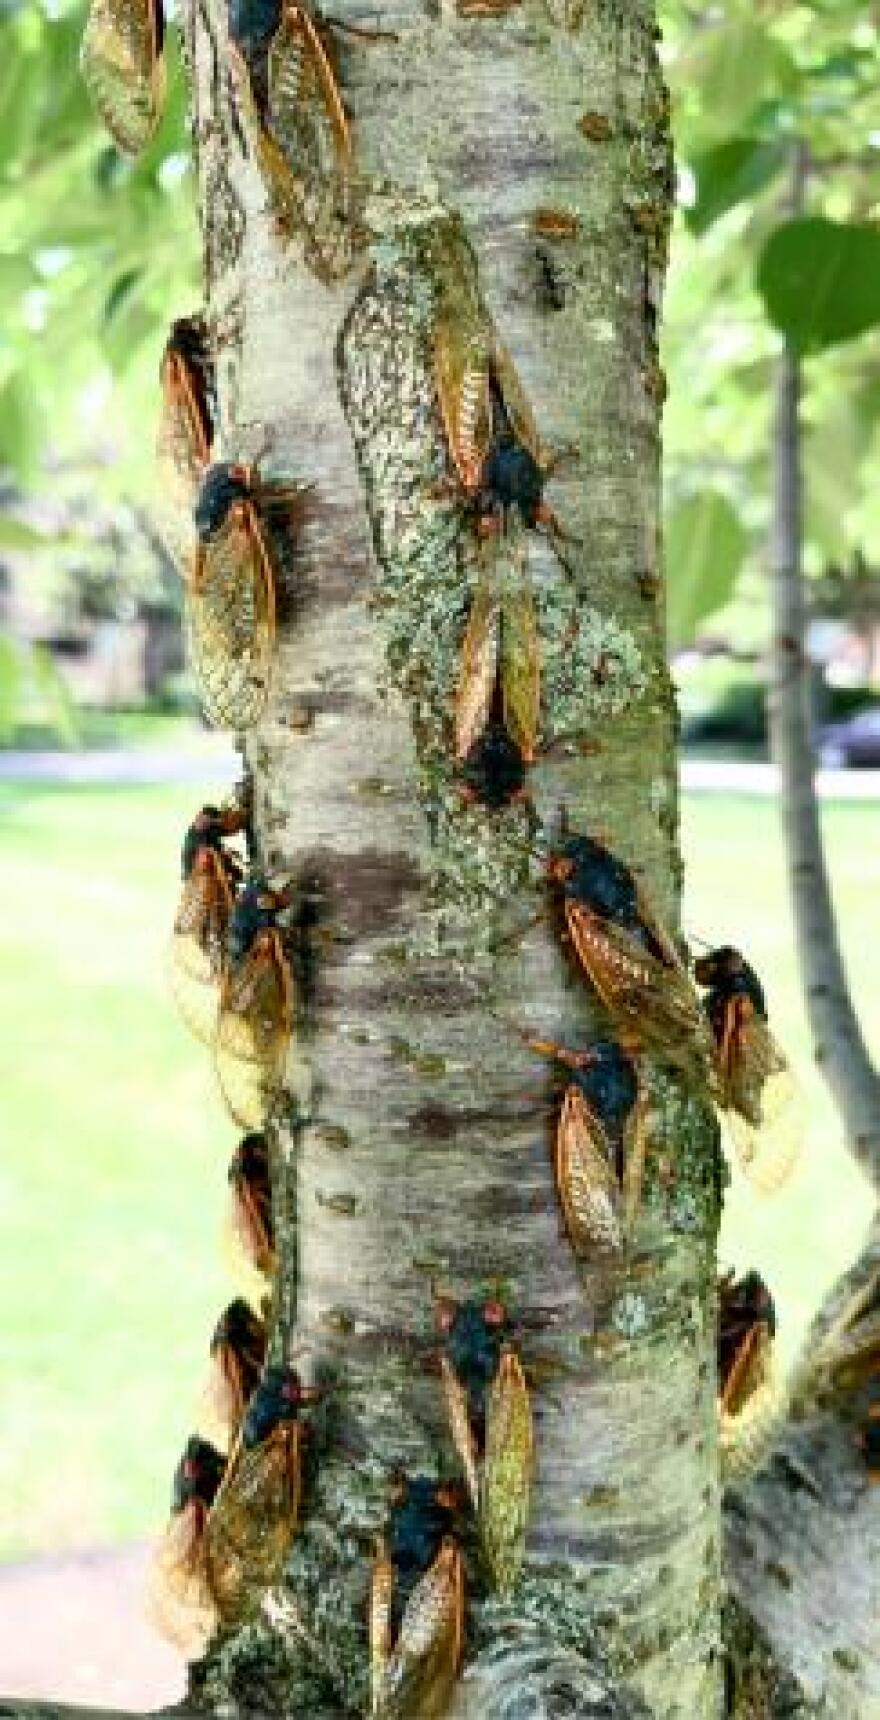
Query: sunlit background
x=113 y=1174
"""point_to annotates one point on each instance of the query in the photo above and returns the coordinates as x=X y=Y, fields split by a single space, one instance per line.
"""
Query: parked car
x=853 y=743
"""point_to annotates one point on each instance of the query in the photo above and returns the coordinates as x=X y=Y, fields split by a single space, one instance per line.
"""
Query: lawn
x=112 y=1182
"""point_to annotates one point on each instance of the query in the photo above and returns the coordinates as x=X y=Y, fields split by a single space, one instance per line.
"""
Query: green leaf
x=820 y=280
x=705 y=549
x=736 y=67
x=729 y=175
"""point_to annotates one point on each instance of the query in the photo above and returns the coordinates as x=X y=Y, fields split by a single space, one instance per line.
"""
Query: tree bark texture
x=412 y=1151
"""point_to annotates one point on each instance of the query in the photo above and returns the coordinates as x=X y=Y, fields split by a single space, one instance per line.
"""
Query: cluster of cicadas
x=230 y=972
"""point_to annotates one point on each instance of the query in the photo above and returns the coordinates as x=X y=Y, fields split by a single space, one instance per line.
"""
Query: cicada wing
x=749 y=1405
x=250 y=1225
x=198 y=943
x=381 y=1601
x=420 y=1676
x=179 y=1597
x=766 y=1117
x=520 y=652
x=123 y=68
x=850 y=1352
x=231 y=621
x=182 y=453
x=652 y=1001
x=456 y=1399
x=586 y=1180
x=478 y=669
x=516 y=401
x=461 y=374
x=253 y=1033
x=507 y=1472
x=254 y=1519
x=305 y=107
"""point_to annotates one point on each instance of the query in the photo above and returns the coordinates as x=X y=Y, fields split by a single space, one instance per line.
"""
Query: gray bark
x=839 y=1045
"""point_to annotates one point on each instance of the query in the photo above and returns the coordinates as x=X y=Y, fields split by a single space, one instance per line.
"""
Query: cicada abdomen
x=758 y=1090
x=631 y=962
x=490 y=1420
x=416 y=1606
x=255 y=1017
x=123 y=67
x=598 y=1154
x=185 y=437
x=749 y=1395
x=251 y=1219
x=180 y=1595
x=302 y=136
x=257 y=1509
x=231 y=600
x=238 y=1352
x=201 y=924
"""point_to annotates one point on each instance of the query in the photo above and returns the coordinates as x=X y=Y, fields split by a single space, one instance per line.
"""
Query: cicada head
x=474 y=1333
x=224 y=484
x=197 y=1476
x=727 y=975
x=208 y=829
x=123 y=68
x=252 y=1220
x=252 y=25
x=238 y=1351
x=869 y=1442
x=511 y=476
x=591 y=875
x=608 y=1079
x=279 y=1399
x=422 y=1515
x=494 y=771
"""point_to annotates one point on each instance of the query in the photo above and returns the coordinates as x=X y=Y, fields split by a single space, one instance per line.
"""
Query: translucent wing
x=231 y=621
x=478 y=670
x=198 y=943
x=516 y=401
x=461 y=372
x=253 y=1519
x=183 y=448
x=653 y=1002
x=749 y=1404
x=586 y=1180
x=460 y=1427
x=123 y=68
x=766 y=1116
x=179 y=1597
x=520 y=650
x=420 y=1675
x=305 y=107
x=507 y=1472
x=253 y=1031
x=250 y=1224
x=850 y=1352
x=381 y=1598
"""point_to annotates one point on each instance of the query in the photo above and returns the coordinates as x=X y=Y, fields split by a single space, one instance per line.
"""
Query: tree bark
x=839 y=1044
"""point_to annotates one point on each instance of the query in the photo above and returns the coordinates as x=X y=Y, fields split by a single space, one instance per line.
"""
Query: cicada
x=256 y=1512
x=201 y=924
x=416 y=1605
x=181 y=1597
x=869 y=1442
x=748 y=1390
x=123 y=67
x=256 y=1012
x=758 y=1089
x=631 y=961
x=231 y=598
x=185 y=437
x=238 y=1352
x=251 y=1202
x=498 y=698
x=490 y=1419
x=598 y=1157
x=284 y=69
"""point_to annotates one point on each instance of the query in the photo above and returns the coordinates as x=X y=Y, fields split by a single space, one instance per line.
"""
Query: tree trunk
x=839 y=1044
x=414 y=1150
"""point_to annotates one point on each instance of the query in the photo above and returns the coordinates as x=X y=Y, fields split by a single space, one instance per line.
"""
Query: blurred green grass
x=112 y=1180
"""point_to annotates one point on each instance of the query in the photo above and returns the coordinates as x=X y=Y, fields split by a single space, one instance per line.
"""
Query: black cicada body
x=201 y=924
x=631 y=961
x=493 y=771
x=758 y=1089
x=251 y=1199
x=124 y=68
x=416 y=1605
x=869 y=1442
x=181 y=1596
x=598 y=1155
x=490 y=1418
x=231 y=599
x=255 y=1017
x=185 y=437
x=238 y=1352
x=257 y=1509
x=748 y=1389
x=290 y=93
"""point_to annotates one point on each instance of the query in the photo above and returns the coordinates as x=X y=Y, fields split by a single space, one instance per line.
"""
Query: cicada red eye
x=185 y=437
x=124 y=69
x=416 y=1608
x=198 y=943
x=231 y=603
x=180 y=1594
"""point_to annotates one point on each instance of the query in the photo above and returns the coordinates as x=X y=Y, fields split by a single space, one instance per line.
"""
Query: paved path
x=73 y=1628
